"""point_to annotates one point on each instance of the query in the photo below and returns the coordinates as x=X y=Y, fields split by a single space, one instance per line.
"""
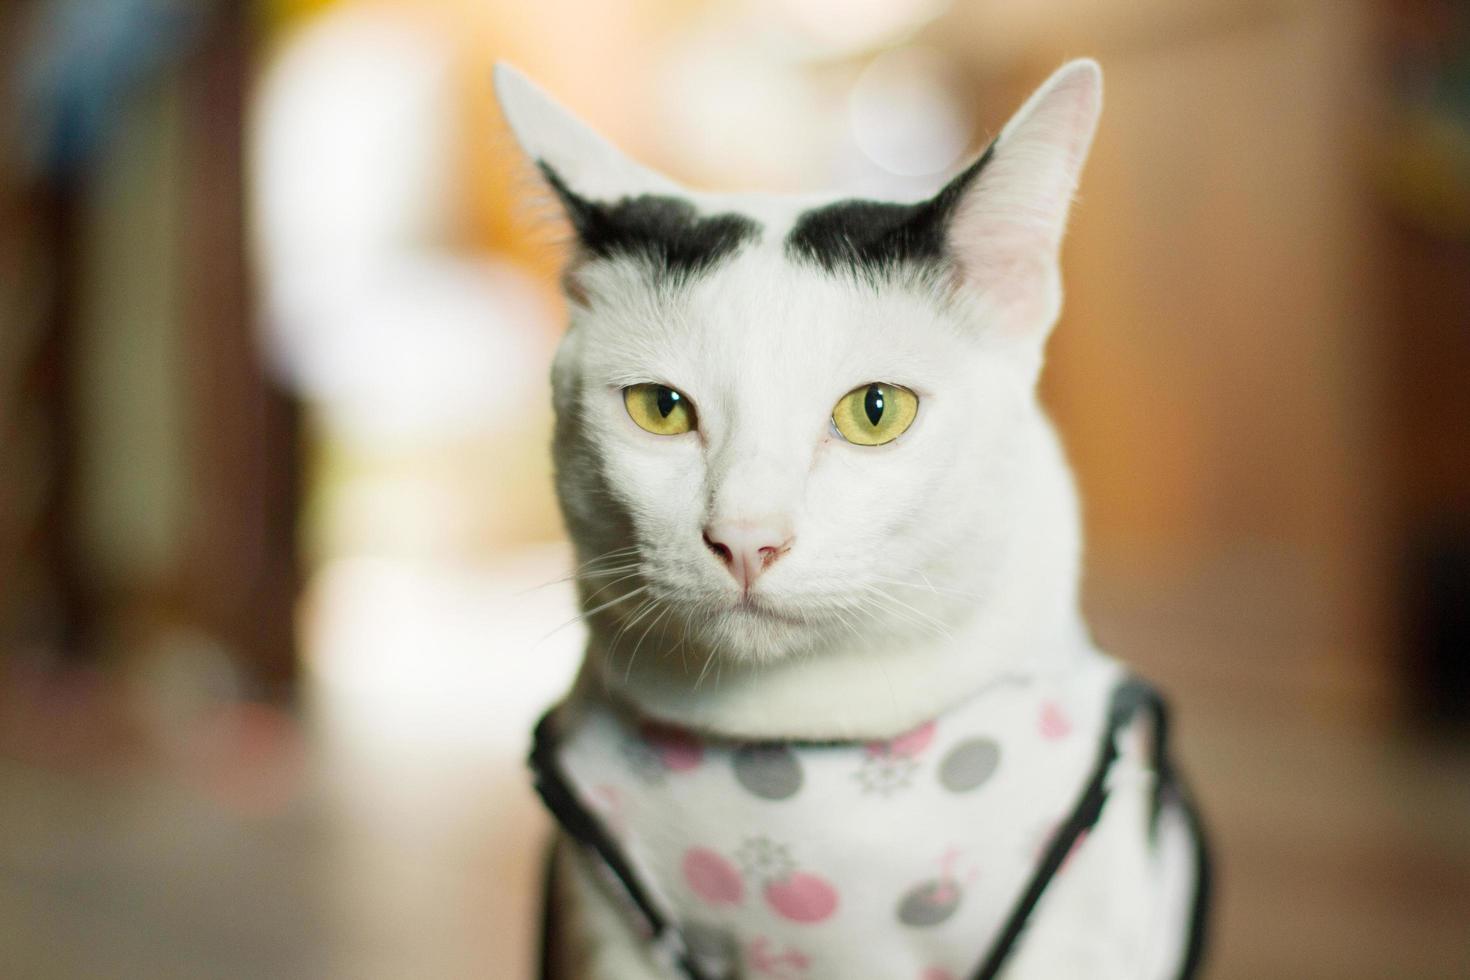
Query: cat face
x=784 y=424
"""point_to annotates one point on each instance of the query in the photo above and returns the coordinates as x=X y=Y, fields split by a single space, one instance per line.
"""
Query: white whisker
x=929 y=586
x=586 y=568
x=584 y=616
x=908 y=613
x=628 y=671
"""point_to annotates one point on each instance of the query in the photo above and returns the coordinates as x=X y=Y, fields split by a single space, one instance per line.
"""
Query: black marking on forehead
x=667 y=232
x=875 y=237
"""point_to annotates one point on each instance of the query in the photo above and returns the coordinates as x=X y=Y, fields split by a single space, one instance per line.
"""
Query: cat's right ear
x=580 y=166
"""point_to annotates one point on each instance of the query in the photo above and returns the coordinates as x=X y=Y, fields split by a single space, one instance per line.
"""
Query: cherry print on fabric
x=712 y=878
x=1054 y=721
x=766 y=960
x=931 y=902
x=750 y=839
x=768 y=771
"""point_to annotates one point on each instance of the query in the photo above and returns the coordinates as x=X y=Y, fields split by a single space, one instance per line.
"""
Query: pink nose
x=747 y=549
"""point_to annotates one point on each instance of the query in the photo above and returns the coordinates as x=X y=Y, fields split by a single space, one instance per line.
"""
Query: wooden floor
x=392 y=834
x=1342 y=854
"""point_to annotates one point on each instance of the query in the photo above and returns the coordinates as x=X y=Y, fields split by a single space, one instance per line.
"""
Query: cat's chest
x=884 y=858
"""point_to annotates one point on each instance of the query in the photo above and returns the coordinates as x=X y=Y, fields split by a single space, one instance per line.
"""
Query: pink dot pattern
x=802 y=897
x=763 y=845
x=712 y=878
x=1054 y=722
x=678 y=750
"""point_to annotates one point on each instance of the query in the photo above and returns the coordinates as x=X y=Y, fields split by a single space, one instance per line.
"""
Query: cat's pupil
x=873 y=404
x=667 y=399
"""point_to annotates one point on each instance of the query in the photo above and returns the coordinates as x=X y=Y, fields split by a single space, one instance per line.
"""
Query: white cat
x=822 y=518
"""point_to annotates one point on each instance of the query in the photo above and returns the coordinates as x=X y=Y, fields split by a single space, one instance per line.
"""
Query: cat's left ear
x=1006 y=230
x=578 y=163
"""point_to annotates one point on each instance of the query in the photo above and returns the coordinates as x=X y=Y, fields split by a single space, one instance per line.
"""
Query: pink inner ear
x=1007 y=230
x=1010 y=269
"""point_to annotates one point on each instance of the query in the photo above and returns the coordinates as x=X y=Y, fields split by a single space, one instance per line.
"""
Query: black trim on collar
x=581 y=825
x=1204 y=882
x=1130 y=696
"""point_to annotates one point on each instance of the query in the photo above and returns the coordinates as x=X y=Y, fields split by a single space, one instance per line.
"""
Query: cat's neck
x=1030 y=624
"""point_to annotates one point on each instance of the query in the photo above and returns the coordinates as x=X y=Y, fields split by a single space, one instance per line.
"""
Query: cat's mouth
x=749 y=604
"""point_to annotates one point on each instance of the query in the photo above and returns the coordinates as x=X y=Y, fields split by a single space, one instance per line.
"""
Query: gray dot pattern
x=969 y=765
x=770 y=772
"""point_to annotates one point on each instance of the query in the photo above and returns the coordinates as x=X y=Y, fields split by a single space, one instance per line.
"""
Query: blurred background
x=280 y=569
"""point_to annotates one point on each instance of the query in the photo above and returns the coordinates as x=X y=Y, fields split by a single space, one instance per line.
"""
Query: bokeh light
x=905 y=113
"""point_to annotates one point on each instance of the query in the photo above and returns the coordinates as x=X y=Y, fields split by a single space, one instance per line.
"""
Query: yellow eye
x=873 y=414
x=660 y=410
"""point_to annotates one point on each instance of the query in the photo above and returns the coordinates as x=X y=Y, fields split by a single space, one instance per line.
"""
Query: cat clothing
x=919 y=857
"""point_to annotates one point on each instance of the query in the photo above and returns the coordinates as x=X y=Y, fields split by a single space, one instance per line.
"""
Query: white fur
x=950 y=554
x=920 y=570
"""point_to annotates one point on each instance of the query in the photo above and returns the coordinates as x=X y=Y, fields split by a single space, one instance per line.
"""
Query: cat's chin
x=753 y=629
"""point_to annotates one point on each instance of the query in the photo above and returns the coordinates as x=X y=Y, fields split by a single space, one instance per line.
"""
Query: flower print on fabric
x=890 y=766
x=763 y=858
x=793 y=894
x=891 y=857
